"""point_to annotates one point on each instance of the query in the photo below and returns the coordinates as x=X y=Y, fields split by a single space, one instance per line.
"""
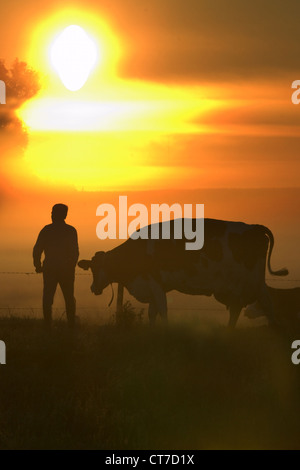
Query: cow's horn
x=84 y=264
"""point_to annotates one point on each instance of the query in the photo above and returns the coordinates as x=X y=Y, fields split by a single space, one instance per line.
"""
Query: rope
x=31 y=273
x=95 y=309
x=103 y=310
x=34 y=273
x=15 y=272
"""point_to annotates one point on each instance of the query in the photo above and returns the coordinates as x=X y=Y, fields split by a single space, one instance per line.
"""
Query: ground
x=135 y=387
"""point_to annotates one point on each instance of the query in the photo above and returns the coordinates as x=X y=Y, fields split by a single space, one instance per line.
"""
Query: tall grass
x=138 y=387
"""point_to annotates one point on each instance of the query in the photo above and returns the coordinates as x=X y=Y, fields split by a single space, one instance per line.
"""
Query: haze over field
x=276 y=208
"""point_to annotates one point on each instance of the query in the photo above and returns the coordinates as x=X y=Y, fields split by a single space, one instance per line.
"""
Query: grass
x=136 y=387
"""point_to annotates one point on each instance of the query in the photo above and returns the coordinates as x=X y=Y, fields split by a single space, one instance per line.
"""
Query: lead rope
x=112 y=295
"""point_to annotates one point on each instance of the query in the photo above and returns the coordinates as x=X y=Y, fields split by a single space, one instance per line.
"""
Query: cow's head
x=98 y=268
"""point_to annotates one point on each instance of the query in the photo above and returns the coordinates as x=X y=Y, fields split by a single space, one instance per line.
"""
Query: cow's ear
x=84 y=264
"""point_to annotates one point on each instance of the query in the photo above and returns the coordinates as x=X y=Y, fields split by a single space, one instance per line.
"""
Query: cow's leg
x=234 y=313
x=160 y=299
x=152 y=312
x=163 y=307
x=266 y=304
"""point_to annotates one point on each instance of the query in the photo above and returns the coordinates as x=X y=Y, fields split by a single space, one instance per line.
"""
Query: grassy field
x=110 y=387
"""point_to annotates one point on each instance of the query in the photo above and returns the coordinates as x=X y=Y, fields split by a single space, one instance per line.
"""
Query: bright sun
x=73 y=56
x=112 y=126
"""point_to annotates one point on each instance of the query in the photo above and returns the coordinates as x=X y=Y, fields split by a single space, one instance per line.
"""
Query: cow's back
x=231 y=264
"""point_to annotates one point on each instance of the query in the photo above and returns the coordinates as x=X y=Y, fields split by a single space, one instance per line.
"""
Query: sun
x=80 y=33
x=73 y=55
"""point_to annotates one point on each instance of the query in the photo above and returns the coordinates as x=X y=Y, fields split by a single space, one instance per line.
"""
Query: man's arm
x=75 y=248
x=37 y=252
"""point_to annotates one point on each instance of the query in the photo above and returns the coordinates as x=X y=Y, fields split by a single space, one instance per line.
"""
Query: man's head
x=59 y=212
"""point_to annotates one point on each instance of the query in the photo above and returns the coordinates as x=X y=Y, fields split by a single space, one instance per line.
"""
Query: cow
x=286 y=308
x=230 y=266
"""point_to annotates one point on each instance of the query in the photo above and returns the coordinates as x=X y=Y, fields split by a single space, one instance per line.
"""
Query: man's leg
x=66 y=282
x=50 y=284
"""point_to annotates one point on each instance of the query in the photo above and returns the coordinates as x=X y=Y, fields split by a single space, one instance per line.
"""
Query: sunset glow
x=94 y=116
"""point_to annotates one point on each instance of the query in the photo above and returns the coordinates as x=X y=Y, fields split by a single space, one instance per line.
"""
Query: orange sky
x=183 y=95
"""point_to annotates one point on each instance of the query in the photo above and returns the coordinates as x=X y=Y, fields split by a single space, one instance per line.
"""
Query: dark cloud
x=254 y=113
x=194 y=40
x=214 y=152
x=21 y=84
x=182 y=40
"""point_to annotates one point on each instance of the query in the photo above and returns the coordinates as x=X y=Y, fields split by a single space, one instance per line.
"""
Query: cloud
x=212 y=40
x=21 y=84
x=253 y=113
x=183 y=40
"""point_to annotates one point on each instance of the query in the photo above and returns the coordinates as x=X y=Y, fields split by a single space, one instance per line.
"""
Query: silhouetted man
x=59 y=243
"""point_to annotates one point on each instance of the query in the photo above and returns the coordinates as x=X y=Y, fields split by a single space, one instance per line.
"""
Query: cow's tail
x=280 y=272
